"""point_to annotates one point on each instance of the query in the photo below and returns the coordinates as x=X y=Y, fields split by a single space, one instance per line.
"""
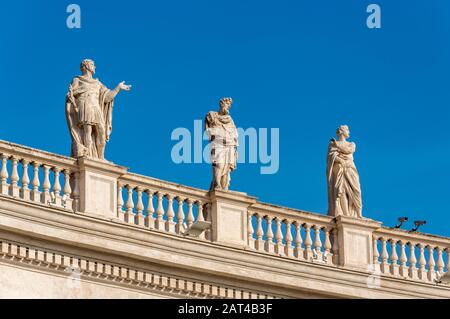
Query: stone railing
x=410 y=255
x=291 y=233
x=161 y=205
x=38 y=176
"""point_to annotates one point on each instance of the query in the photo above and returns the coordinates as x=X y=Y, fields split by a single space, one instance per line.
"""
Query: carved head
x=87 y=65
x=343 y=131
x=225 y=105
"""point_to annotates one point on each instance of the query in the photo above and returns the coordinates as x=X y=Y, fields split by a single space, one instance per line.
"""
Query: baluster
x=45 y=196
x=376 y=255
x=159 y=222
x=308 y=242
x=57 y=187
x=4 y=176
x=129 y=215
x=269 y=246
x=120 y=212
x=327 y=247
x=190 y=215
x=170 y=224
x=431 y=264
x=179 y=228
x=278 y=236
x=25 y=190
x=200 y=216
x=67 y=190
x=403 y=260
x=14 y=187
x=76 y=192
x=394 y=258
x=259 y=243
x=35 y=194
x=298 y=250
x=440 y=262
x=250 y=231
x=120 y=202
x=288 y=250
x=422 y=262
x=139 y=219
x=317 y=242
x=384 y=256
x=412 y=261
x=149 y=219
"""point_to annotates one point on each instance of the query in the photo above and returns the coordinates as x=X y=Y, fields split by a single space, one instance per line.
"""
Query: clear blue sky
x=302 y=66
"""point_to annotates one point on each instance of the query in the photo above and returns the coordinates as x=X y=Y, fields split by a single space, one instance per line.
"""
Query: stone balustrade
x=291 y=233
x=103 y=190
x=37 y=176
x=410 y=255
x=161 y=205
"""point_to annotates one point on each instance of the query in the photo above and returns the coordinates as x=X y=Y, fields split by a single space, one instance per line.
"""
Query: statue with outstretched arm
x=89 y=105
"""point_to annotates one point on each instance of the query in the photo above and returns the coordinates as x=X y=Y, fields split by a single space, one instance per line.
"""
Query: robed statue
x=223 y=138
x=89 y=106
x=344 y=190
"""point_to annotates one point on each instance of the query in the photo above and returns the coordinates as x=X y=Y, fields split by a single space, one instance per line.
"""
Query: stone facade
x=84 y=228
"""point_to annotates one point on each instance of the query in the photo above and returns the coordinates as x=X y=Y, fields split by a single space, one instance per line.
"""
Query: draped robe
x=224 y=141
x=344 y=190
x=88 y=103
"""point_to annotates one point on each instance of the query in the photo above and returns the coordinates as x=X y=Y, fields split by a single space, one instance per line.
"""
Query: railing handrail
x=42 y=157
x=165 y=186
x=415 y=237
x=290 y=213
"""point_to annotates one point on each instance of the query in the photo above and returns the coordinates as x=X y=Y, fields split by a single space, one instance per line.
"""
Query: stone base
x=355 y=241
x=229 y=217
x=98 y=187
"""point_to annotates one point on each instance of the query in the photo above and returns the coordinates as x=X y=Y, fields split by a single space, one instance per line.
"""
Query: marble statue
x=344 y=190
x=89 y=106
x=223 y=138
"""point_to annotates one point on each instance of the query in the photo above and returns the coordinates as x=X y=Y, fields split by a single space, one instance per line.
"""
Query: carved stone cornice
x=91 y=269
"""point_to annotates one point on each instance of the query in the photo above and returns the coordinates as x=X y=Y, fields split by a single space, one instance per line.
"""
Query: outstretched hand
x=124 y=86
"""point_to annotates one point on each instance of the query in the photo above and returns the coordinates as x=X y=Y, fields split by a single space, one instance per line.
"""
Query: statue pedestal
x=355 y=241
x=98 y=187
x=229 y=217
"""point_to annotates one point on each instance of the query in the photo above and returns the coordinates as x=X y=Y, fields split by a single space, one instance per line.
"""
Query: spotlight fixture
x=417 y=224
x=197 y=228
x=401 y=220
x=444 y=278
